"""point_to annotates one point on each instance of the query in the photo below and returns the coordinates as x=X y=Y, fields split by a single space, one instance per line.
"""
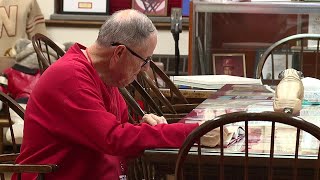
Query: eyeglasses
x=148 y=59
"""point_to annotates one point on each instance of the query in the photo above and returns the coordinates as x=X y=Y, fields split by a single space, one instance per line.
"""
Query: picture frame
x=279 y=64
x=229 y=64
x=88 y=7
x=151 y=7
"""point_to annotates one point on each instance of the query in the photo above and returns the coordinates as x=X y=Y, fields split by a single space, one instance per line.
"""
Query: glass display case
x=229 y=37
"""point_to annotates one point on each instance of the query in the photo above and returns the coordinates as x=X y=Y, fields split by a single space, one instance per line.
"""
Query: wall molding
x=95 y=21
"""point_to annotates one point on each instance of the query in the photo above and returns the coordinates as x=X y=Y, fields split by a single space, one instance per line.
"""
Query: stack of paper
x=311 y=90
x=211 y=81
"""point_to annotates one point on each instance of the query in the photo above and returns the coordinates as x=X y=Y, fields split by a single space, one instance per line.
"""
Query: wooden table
x=249 y=98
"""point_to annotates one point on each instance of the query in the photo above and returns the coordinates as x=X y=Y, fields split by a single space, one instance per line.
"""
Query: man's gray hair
x=128 y=27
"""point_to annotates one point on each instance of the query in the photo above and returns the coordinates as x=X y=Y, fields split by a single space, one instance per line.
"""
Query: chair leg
x=1 y=140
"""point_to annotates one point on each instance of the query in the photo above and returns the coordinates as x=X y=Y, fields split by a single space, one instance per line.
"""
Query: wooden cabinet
x=242 y=28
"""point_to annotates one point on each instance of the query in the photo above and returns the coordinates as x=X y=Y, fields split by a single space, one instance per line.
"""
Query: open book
x=231 y=134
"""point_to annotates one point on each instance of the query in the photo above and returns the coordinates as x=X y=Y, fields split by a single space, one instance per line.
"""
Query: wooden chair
x=135 y=111
x=175 y=96
x=8 y=166
x=47 y=51
x=269 y=163
x=157 y=72
x=163 y=102
x=300 y=51
x=7 y=161
x=138 y=168
x=150 y=105
x=8 y=102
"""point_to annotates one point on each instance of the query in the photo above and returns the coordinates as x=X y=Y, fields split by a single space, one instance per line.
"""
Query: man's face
x=129 y=64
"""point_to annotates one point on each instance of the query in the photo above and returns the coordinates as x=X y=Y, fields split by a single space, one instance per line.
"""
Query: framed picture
x=278 y=64
x=229 y=64
x=90 y=7
x=151 y=7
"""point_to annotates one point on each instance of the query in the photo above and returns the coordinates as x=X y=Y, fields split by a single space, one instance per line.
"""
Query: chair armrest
x=8 y=157
x=23 y=168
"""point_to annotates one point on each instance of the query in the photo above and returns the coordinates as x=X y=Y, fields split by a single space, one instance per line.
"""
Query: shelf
x=95 y=21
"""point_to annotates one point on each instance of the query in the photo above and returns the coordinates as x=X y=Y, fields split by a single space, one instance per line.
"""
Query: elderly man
x=76 y=117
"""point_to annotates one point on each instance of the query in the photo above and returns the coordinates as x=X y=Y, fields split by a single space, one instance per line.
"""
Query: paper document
x=212 y=81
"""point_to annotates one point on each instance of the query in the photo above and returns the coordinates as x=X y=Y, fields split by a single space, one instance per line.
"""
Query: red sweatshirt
x=77 y=122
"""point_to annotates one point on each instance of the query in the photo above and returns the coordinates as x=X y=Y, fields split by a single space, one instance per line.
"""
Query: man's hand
x=153 y=119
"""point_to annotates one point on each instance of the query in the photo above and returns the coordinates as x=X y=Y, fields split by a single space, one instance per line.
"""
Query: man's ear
x=119 y=51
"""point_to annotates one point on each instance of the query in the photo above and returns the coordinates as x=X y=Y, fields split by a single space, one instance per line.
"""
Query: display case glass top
x=231 y=29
